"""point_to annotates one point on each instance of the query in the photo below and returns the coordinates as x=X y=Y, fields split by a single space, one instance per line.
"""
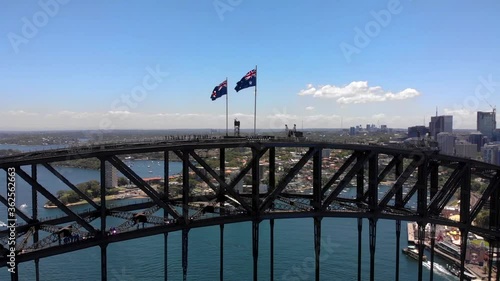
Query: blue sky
x=71 y=65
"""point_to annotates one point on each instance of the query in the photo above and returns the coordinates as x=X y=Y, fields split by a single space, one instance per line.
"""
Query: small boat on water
x=412 y=252
x=2 y=224
x=24 y=205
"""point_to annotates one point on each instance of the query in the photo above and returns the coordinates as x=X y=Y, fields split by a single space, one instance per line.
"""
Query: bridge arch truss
x=312 y=184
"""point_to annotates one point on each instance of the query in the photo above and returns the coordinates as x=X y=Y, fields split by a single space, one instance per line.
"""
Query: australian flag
x=219 y=91
x=249 y=80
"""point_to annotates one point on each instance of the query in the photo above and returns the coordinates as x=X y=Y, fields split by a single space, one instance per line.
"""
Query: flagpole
x=255 y=105
x=227 y=94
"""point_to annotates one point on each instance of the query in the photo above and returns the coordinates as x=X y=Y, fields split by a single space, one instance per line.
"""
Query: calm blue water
x=142 y=259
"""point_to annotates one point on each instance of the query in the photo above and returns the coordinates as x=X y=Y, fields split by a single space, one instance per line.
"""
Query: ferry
x=24 y=206
x=455 y=270
x=412 y=252
x=449 y=249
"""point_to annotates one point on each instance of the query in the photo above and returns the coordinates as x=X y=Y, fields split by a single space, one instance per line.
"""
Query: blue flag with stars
x=219 y=91
x=249 y=80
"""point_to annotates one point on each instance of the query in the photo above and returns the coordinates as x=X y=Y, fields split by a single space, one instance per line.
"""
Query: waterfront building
x=446 y=143
x=486 y=123
x=440 y=124
x=111 y=176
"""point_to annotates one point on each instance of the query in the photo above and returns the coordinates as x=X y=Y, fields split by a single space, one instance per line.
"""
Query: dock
x=470 y=268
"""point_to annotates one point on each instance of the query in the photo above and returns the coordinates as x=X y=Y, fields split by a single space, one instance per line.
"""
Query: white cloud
x=310 y=108
x=119 y=112
x=462 y=118
x=379 y=116
x=21 y=113
x=176 y=120
x=356 y=92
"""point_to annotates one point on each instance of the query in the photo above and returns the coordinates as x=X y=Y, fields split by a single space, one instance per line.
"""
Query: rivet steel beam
x=34 y=215
x=317 y=162
x=444 y=194
x=54 y=200
x=433 y=241
x=19 y=212
x=255 y=248
x=346 y=180
x=70 y=185
x=200 y=174
x=104 y=262
x=422 y=184
x=373 y=205
x=140 y=183
x=360 y=185
x=272 y=186
x=255 y=211
x=398 y=203
x=102 y=208
x=185 y=212
x=285 y=180
x=398 y=185
x=222 y=174
x=341 y=171
x=166 y=195
x=229 y=188
x=494 y=184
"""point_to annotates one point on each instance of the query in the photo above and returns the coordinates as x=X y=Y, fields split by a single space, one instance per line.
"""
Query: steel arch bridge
x=311 y=186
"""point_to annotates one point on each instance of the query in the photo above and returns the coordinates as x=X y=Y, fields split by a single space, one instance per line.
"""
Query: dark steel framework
x=363 y=169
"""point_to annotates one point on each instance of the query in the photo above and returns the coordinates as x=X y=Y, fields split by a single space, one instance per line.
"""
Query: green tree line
x=91 y=188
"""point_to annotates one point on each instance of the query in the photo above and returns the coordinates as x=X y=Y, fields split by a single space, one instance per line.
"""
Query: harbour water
x=142 y=259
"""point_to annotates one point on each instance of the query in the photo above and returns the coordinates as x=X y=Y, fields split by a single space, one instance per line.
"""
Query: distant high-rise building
x=417 y=131
x=486 y=123
x=111 y=176
x=466 y=149
x=352 y=131
x=477 y=139
x=490 y=153
x=446 y=143
x=383 y=128
x=441 y=124
x=496 y=135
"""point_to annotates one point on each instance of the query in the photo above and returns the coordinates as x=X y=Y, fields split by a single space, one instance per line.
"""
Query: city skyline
x=93 y=65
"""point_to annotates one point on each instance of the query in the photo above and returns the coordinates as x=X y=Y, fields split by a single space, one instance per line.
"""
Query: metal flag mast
x=255 y=105
x=227 y=94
